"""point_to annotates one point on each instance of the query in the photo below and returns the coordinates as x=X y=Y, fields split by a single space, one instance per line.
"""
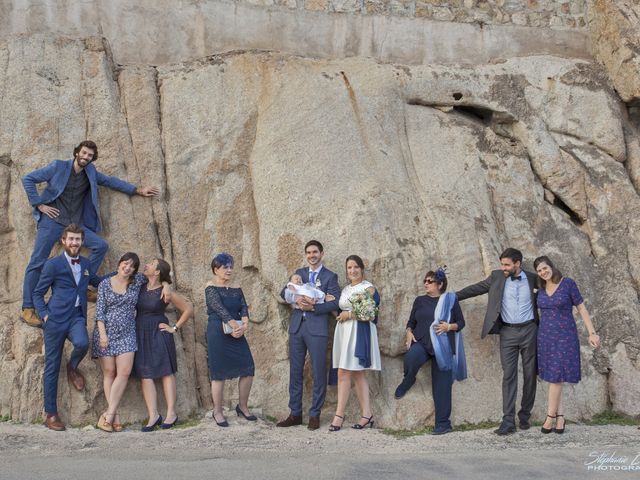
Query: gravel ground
x=260 y=450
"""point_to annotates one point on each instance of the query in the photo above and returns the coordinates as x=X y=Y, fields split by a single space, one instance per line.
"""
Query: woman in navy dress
x=229 y=354
x=558 y=343
x=156 y=355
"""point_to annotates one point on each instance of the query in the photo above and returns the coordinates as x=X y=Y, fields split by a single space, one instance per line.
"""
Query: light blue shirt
x=516 y=300
x=77 y=270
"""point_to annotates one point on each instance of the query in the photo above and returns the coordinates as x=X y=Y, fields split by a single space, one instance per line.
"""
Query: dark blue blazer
x=57 y=275
x=57 y=174
x=318 y=320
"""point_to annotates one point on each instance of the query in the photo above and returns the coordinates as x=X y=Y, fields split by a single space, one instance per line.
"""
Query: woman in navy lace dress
x=558 y=343
x=229 y=354
x=156 y=355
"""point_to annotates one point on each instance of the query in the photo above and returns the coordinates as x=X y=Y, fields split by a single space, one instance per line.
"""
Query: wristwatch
x=175 y=328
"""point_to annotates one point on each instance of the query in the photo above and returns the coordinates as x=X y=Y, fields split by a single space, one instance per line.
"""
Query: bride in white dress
x=344 y=349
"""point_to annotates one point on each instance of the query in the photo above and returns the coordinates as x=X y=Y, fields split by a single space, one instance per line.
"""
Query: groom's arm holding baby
x=333 y=290
x=287 y=293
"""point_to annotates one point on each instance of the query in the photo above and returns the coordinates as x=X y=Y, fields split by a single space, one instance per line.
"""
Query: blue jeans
x=49 y=232
x=55 y=334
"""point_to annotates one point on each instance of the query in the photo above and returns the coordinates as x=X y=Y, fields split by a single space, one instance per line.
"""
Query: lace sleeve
x=214 y=302
x=244 y=308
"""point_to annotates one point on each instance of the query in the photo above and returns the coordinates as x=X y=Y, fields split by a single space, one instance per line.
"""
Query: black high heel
x=151 y=428
x=560 y=430
x=547 y=430
x=369 y=423
x=251 y=418
x=335 y=428
x=223 y=423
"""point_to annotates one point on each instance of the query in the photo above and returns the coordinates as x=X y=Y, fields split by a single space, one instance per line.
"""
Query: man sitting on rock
x=71 y=196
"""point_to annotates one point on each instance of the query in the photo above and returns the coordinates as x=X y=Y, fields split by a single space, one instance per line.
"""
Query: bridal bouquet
x=364 y=306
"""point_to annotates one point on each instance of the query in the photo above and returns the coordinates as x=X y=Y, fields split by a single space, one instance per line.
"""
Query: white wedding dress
x=344 y=340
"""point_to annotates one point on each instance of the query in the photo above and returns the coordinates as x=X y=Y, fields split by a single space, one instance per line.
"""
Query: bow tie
x=75 y=261
x=516 y=279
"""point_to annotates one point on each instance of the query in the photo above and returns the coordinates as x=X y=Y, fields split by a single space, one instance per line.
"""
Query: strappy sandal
x=369 y=423
x=335 y=428
x=547 y=430
x=560 y=430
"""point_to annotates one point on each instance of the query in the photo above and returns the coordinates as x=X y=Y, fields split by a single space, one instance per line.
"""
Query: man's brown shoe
x=314 y=423
x=92 y=296
x=30 y=317
x=75 y=377
x=290 y=421
x=54 y=423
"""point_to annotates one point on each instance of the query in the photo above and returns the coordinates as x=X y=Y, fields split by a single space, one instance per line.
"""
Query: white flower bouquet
x=364 y=306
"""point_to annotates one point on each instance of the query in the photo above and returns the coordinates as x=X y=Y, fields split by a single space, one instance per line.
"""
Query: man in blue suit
x=309 y=331
x=68 y=275
x=71 y=196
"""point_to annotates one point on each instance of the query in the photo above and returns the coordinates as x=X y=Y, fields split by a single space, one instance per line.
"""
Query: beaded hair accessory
x=441 y=274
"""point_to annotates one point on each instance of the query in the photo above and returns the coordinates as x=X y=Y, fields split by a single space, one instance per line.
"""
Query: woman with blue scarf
x=355 y=344
x=433 y=333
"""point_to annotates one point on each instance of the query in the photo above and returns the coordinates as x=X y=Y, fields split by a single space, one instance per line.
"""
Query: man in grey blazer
x=512 y=314
x=309 y=331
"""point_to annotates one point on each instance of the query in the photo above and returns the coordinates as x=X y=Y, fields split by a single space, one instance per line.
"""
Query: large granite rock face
x=615 y=40
x=409 y=167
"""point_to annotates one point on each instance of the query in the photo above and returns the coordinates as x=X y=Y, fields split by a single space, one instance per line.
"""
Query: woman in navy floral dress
x=558 y=343
x=229 y=354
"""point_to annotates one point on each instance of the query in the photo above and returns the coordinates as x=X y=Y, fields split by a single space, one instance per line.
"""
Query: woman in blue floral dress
x=558 y=343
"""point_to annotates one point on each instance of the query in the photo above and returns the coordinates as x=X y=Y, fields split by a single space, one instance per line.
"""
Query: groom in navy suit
x=309 y=331
x=68 y=275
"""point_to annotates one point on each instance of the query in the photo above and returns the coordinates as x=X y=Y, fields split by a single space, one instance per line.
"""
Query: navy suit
x=65 y=320
x=309 y=331
x=56 y=175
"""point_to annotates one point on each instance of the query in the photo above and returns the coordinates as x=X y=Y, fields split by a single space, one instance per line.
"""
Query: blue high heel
x=151 y=428
x=251 y=418
x=166 y=426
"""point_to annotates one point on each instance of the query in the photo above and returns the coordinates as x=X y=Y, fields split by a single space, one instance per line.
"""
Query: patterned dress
x=228 y=357
x=558 y=343
x=118 y=313
x=156 y=355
